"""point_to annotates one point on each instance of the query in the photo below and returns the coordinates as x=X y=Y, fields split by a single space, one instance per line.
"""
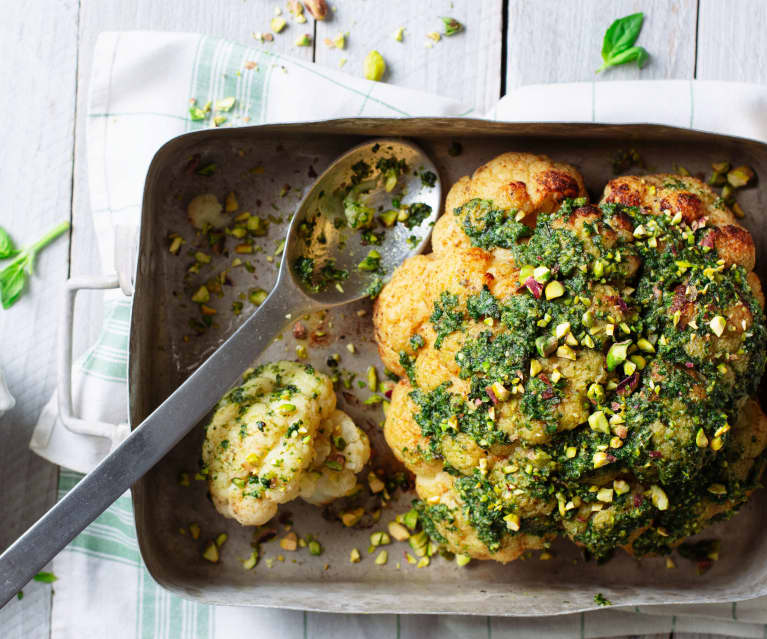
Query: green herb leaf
x=12 y=279
x=45 y=577
x=617 y=47
x=14 y=276
x=7 y=249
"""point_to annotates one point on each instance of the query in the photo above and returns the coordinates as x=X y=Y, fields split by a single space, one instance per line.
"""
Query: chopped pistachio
x=196 y=113
x=231 y=204
x=535 y=367
x=512 y=521
x=410 y=518
x=566 y=352
x=740 y=176
x=375 y=483
x=545 y=345
x=278 y=24
x=175 y=245
x=452 y=26
x=621 y=487
x=201 y=296
x=596 y=393
x=382 y=558
x=600 y=459
x=645 y=345
x=257 y=296
x=340 y=41
x=433 y=35
x=701 y=441
x=462 y=560
x=289 y=541
x=717 y=489
x=717 y=443
x=374 y=66
x=418 y=543
x=304 y=40
x=717 y=325
x=372 y=378
x=598 y=422
x=554 y=289
x=399 y=34
x=315 y=548
x=194 y=530
x=617 y=354
x=301 y=351
x=398 y=531
x=423 y=562
x=352 y=517
x=658 y=497
x=605 y=495
x=225 y=104
x=354 y=556
x=379 y=538
x=211 y=553
x=571 y=452
x=251 y=561
x=219 y=120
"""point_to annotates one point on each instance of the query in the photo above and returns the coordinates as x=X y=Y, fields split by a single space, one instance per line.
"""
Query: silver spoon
x=291 y=296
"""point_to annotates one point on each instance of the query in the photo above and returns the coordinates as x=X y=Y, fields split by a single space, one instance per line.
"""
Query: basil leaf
x=45 y=577
x=12 y=279
x=621 y=35
x=7 y=249
x=617 y=47
x=637 y=54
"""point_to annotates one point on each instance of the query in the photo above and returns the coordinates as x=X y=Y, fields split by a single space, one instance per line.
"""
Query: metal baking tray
x=258 y=163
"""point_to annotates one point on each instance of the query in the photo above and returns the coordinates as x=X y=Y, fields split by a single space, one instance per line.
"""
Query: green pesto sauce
x=680 y=394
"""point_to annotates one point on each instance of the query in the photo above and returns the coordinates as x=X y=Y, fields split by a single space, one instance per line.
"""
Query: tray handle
x=125 y=260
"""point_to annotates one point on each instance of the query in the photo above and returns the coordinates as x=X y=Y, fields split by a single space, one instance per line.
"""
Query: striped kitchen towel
x=103 y=585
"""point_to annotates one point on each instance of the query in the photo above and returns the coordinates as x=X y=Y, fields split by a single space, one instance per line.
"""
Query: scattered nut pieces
x=278 y=24
x=452 y=26
x=289 y=542
x=318 y=8
x=375 y=483
x=211 y=553
x=398 y=531
x=374 y=66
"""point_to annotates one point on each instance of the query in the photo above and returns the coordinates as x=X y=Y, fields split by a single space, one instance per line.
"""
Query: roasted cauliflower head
x=277 y=437
x=576 y=370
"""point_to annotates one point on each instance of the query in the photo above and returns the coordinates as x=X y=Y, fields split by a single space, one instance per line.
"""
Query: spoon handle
x=146 y=445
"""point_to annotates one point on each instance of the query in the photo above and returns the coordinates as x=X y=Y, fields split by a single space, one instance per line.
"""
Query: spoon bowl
x=321 y=229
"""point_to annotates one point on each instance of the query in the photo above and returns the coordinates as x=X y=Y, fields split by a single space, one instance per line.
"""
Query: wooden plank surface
x=38 y=52
x=731 y=41
x=546 y=41
x=554 y=41
x=465 y=66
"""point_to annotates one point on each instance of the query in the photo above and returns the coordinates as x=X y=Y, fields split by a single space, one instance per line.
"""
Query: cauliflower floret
x=205 y=211
x=334 y=475
x=267 y=434
x=576 y=373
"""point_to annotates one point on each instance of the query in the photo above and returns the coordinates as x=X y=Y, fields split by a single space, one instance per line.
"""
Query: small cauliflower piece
x=205 y=211
x=273 y=439
x=334 y=475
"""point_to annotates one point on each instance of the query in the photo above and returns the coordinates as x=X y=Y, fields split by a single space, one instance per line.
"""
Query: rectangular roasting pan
x=256 y=163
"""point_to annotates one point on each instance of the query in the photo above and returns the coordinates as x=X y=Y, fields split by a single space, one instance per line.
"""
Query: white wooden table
x=46 y=53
